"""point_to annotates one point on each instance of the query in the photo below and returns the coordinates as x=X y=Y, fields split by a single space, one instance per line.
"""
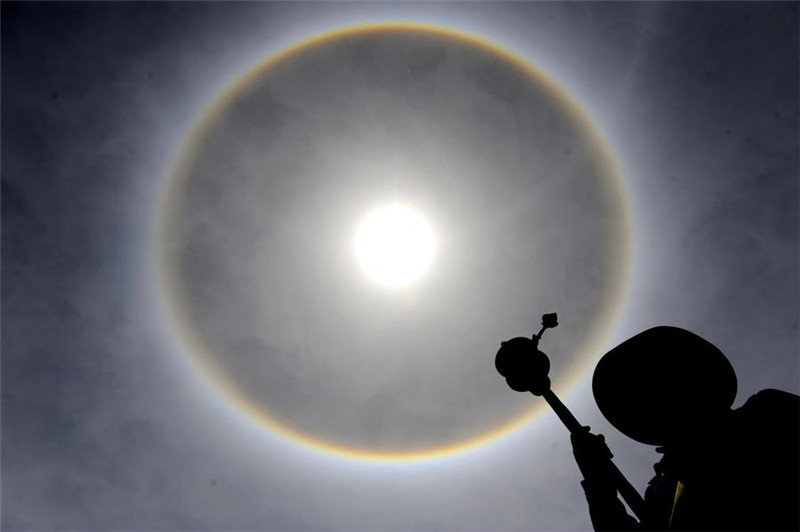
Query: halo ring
x=197 y=353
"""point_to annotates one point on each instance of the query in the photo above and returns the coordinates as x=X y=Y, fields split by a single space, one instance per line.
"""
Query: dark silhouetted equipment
x=526 y=369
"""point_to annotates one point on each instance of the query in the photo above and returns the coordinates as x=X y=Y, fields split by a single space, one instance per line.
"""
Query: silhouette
x=722 y=469
x=526 y=369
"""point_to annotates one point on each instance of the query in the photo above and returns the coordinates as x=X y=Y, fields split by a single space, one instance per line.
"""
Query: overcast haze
x=107 y=424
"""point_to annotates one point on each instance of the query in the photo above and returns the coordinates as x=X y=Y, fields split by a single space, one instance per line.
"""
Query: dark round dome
x=662 y=384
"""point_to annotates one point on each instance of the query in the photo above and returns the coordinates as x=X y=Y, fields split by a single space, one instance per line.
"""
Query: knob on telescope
x=522 y=364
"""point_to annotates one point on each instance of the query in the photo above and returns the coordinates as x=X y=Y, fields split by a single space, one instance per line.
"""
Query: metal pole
x=625 y=489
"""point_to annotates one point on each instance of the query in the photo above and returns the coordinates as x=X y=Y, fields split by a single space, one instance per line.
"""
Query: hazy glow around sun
x=394 y=245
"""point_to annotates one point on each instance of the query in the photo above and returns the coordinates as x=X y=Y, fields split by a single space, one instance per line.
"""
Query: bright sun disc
x=394 y=245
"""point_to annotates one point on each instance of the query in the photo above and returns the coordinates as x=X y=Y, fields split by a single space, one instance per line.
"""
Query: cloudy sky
x=179 y=300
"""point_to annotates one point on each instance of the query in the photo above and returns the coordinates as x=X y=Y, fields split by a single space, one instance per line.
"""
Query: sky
x=167 y=287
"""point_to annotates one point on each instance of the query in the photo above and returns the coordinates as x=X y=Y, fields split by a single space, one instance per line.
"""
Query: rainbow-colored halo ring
x=263 y=299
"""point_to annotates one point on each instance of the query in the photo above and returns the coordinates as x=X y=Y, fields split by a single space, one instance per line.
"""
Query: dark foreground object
x=526 y=369
x=722 y=469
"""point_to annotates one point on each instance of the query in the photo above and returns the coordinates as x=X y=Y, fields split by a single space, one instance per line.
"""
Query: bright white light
x=394 y=245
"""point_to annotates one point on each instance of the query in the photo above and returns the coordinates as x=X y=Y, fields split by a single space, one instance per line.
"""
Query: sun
x=394 y=245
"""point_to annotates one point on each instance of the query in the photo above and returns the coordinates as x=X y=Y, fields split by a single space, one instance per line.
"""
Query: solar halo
x=171 y=258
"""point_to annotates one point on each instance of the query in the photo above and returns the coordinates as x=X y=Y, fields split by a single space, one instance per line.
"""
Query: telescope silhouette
x=526 y=369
